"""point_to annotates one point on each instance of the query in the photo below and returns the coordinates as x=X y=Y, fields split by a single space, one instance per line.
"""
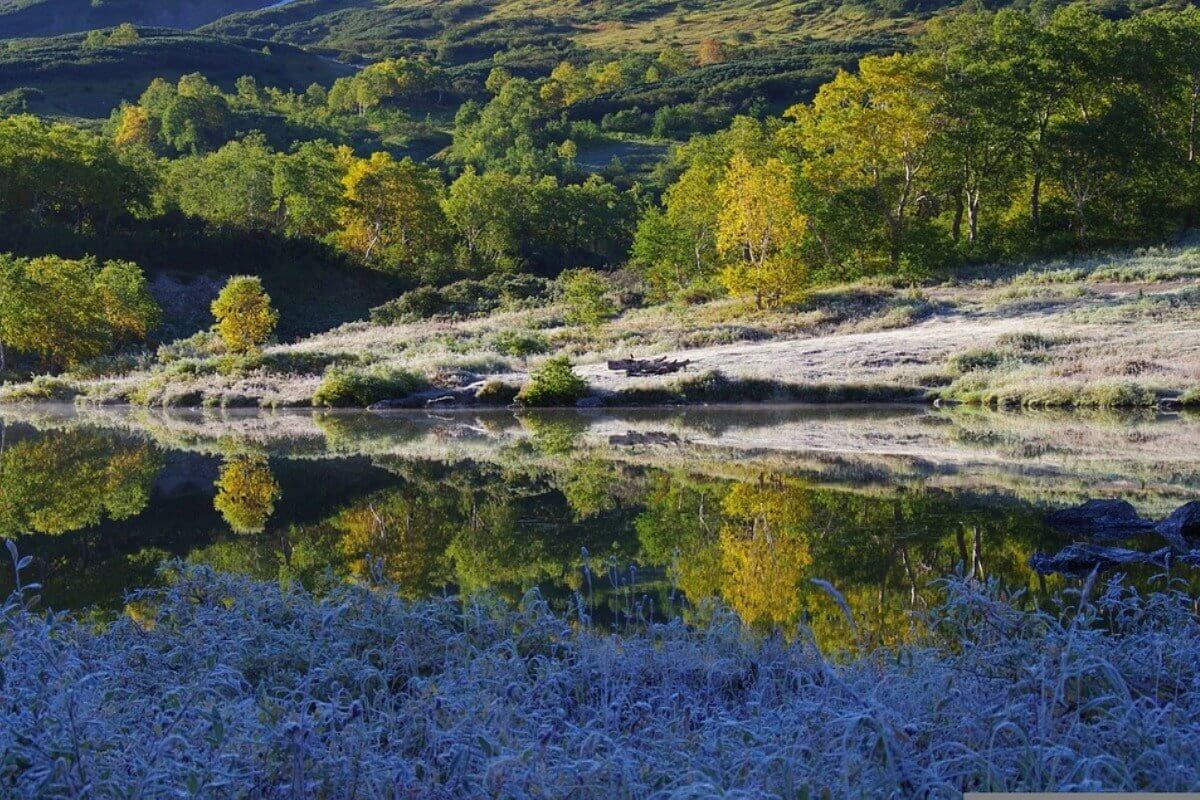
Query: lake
x=637 y=514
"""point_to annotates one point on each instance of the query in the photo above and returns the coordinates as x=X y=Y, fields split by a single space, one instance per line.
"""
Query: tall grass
x=219 y=686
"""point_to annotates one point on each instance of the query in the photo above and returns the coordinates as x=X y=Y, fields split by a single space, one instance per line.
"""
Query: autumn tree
x=69 y=311
x=245 y=319
x=759 y=229
x=874 y=131
x=392 y=214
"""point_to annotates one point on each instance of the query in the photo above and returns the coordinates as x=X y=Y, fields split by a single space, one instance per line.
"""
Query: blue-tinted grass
x=224 y=687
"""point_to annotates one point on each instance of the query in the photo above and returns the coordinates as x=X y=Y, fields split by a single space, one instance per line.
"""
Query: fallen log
x=633 y=438
x=1081 y=558
x=642 y=367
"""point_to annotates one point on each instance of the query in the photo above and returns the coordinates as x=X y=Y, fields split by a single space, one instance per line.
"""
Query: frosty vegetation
x=222 y=687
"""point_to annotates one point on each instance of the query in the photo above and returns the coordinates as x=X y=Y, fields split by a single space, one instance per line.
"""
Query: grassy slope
x=470 y=31
x=1051 y=335
x=91 y=82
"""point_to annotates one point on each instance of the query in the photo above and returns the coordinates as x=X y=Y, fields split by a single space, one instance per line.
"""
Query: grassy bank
x=1119 y=332
x=220 y=686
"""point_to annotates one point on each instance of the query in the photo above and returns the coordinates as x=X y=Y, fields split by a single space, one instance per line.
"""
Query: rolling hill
x=73 y=79
x=22 y=18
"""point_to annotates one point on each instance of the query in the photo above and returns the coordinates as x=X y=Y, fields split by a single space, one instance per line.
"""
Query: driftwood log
x=641 y=367
x=633 y=438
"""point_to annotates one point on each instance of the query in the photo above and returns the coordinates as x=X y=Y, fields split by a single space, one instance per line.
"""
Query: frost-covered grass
x=223 y=687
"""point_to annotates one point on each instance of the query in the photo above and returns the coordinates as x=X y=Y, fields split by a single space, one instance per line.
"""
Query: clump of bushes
x=520 y=343
x=1190 y=398
x=42 y=389
x=360 y=387
x=460 y=299
x=979 y=390
x=553 y=383
x=223 y=686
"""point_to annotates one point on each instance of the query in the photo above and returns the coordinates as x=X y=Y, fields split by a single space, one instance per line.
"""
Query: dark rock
x=1106 y=519
x=1082 y=557
x=1183 y=525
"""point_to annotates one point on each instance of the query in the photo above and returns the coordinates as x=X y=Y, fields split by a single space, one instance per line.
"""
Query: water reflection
x=503 y=503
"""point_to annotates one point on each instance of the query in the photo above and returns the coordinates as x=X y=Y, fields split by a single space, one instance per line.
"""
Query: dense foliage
x=1000 y=135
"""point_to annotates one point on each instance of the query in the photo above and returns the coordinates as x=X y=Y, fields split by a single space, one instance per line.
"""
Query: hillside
x=20 y=18
x=527 y=32
x=1106 y=332
x=74 y=79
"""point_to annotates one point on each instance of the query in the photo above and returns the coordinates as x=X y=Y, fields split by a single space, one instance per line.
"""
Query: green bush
x=1190 y=398
x=496 y=393
x=459 y=299
x=554 y=383
x=519 y=343
x=976 y=360
x=346 y=388
x=586 y=295
x=42 y=389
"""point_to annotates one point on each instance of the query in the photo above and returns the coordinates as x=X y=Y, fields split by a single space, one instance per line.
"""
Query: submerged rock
x=1183 y=525
x=1107 y=519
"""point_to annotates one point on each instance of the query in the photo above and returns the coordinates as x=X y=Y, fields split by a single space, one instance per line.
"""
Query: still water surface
x=644 y=513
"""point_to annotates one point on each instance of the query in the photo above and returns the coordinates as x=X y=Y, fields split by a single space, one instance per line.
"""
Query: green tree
x=245 y=319
x=585 y=294
x=874 y=131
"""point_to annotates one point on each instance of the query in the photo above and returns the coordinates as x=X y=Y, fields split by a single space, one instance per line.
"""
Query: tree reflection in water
x=753 y=537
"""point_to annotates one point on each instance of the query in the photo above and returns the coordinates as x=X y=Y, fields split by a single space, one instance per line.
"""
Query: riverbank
x=223 y=686
x=1119 y=332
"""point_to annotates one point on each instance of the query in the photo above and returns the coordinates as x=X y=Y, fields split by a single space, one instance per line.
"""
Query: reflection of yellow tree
x=407 y=535
x=246 y=493
x=589 y=487
x=764 y=548
x=73 y=480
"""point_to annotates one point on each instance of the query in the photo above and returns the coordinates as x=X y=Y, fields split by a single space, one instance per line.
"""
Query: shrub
x=977 y=360
x=41 y=389
x=520 y=344
x=496 y=393
x=461 y=298
x=554 y=383
x=585 y=293
x=201 y=344
x=1190 y=398
x=344 y=388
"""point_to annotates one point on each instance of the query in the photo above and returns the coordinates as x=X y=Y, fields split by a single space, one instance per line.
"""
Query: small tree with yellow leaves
x=758 y=228
x=245 y=318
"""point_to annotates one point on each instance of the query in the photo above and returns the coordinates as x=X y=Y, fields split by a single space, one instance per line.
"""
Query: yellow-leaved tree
x=246 y=493
x=759 y=229
x=873 y=131
x=245 y=318
x=392 y=211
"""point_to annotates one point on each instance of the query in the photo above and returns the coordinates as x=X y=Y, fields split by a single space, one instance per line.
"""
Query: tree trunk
x=956 y=228
x=1035 y=198
x=972 y=216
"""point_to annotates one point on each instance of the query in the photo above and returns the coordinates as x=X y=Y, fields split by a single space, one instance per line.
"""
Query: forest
x=1000 y=136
